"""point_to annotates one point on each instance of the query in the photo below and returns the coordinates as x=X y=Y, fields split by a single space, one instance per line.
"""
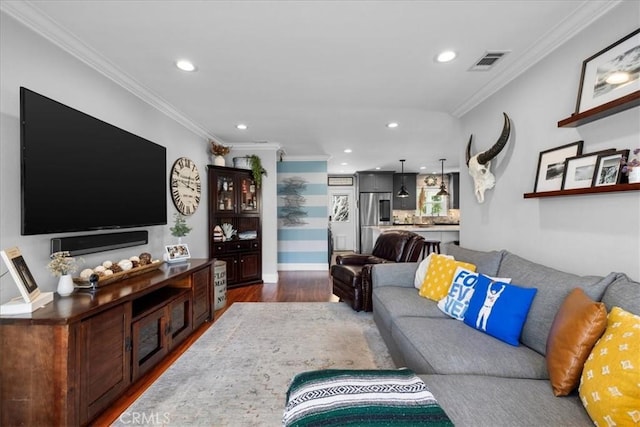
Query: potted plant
x=218 y=151
x=256 y=169
x=62 y=265
x=180 y=228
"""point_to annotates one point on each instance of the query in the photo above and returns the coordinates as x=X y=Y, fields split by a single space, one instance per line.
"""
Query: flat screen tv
x=79 y=173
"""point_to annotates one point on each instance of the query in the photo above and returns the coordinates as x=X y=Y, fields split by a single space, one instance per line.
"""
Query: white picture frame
x=21 y=274
x=608 y=168
x=177 y=253
x=579 y=170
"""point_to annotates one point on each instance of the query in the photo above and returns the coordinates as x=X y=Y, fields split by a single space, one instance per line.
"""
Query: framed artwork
x=551 y=164
x=608 y=168
x=340 y=181
x=579 y=170
x=177 y=253
x=610 y=74
x=21 y=274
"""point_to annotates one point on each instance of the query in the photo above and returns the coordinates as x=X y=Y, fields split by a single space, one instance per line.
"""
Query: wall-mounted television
x=79 y=173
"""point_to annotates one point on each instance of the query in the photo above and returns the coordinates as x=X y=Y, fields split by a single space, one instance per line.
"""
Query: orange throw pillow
x=577 y=326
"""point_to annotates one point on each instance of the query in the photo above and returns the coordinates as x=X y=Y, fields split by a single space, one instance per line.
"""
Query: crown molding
x=29 y=15
x=585 y=15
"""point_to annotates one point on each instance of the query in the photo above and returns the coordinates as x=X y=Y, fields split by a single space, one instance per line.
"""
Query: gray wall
x=586 y=234
x=31 y=61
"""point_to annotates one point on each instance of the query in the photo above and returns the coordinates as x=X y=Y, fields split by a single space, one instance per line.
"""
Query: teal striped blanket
x=336 y=397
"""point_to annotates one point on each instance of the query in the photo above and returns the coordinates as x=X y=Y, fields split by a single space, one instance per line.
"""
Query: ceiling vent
x=488 y=60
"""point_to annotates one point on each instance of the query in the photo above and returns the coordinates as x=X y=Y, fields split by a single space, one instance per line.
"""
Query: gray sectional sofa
x=477 y=379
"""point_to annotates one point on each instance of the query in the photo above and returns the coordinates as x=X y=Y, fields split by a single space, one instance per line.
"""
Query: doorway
x=342 y=210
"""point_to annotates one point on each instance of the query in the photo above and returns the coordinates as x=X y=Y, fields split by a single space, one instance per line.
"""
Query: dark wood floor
x=292 y=286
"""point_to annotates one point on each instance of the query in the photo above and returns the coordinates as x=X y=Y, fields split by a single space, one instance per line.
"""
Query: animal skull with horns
x=479 y=164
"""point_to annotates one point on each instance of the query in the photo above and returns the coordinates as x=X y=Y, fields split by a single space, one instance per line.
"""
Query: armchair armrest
x=359 y=259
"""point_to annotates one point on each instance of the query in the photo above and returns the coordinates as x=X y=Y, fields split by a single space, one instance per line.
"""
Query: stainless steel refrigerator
x=375 y=210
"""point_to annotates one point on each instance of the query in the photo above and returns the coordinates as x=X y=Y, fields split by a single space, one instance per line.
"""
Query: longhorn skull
x=479 y=164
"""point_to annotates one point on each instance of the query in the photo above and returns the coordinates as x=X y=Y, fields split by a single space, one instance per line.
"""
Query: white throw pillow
x=422 y=270
x=460 y=292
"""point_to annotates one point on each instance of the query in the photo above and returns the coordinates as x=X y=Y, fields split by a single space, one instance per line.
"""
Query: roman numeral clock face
x=185 y=186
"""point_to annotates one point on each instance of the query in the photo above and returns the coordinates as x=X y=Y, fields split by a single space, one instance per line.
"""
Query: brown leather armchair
x=349 y=282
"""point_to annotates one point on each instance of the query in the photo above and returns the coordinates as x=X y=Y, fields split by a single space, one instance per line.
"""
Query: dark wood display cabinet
x=235 y=199
x=67 y=362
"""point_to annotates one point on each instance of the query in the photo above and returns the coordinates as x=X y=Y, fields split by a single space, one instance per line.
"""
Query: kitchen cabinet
x=375 y=182
x=405 y=203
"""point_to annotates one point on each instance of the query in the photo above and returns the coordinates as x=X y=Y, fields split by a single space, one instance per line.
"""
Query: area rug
x=238 y=371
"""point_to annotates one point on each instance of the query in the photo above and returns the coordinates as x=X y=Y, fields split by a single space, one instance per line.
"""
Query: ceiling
x=315 y=77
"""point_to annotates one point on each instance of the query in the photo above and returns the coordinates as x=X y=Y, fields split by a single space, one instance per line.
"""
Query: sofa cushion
x=499 y=309
x=390 y=302
x=486 y=262
x=623 y=293
x=421 y=271
x=553 y=287
x=474 y=400
x=609 y=382
x=433 y=345
x=576 y=328
x=456 y=301
x=439 y=276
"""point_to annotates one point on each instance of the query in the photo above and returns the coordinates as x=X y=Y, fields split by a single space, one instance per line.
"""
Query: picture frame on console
x=21 y=274
x=610 y=74
x=177 y=253
x=551 y=166
x=608 y=168
x=579 y=170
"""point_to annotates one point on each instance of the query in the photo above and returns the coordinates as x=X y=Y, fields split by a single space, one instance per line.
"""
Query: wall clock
x=431 y=181
x=185 y=186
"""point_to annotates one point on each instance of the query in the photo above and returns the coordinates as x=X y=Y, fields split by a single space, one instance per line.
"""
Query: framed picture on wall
x=610 y=74
x=579 y=170
x=551 y=164
x=608 y=168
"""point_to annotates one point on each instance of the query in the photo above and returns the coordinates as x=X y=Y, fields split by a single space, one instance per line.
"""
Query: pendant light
x=403 y=191
x=443 y=188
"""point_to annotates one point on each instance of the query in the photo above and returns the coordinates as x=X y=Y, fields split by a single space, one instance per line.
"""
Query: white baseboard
x=304 y=267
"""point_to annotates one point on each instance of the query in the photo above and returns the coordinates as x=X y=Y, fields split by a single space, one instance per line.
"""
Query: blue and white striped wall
x=303 y=215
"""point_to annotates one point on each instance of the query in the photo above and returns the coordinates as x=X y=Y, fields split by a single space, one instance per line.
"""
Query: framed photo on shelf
x=177 y=253
x=551 y=163
x=608 y=168
x=610 y=74
x=579 y=170
x=21 y=274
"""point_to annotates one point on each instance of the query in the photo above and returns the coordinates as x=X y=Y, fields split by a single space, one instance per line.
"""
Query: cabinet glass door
x=248 y=195
x=226 y=197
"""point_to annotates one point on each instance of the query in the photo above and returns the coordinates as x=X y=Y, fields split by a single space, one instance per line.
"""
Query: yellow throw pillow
x=439 y=276
x=610 y=382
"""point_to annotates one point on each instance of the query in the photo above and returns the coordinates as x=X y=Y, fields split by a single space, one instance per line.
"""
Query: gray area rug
x=238 y=371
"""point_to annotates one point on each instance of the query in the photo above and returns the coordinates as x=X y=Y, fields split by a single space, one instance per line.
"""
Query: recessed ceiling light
x=377 y=168
x=446 y=56
x=344 y=164
x=241 y=126
x=347 y=150
x=185 y=65
x=392 y=125
x=422 y=167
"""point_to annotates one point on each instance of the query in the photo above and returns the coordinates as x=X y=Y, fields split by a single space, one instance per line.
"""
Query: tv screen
x=79 y=173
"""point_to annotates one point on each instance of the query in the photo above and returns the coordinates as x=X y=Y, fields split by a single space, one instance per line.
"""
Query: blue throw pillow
x=499 y=309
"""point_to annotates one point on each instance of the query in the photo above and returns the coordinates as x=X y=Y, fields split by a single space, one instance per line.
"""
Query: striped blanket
x=336 y=397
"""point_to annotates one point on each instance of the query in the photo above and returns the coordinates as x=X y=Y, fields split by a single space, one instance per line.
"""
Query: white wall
x=29 y=60
x=585 y=234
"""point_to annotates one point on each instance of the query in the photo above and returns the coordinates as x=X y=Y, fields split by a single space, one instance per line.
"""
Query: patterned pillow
x=421 y=271
x=611 y=374
x=456 y=301
x=439 y=276
x=499 y=309
x=578 y=324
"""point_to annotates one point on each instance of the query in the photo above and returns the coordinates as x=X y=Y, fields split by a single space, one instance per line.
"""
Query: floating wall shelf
x=589 y=190
x=604 y=110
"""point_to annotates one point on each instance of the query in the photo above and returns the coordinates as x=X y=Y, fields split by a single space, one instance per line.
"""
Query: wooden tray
x=106 y=280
